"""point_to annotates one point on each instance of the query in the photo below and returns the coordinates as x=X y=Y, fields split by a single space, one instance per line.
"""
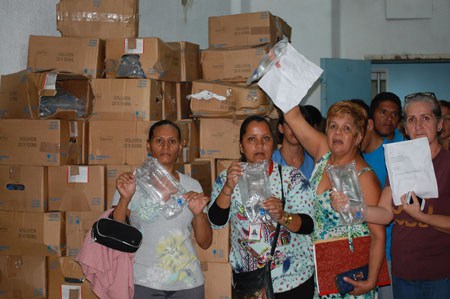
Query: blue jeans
x=420 y=289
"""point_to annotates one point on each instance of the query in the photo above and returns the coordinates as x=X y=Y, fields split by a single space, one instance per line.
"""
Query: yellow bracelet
x=287 y=219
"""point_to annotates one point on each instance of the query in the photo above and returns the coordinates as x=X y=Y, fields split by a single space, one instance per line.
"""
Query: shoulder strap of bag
x=277 y=230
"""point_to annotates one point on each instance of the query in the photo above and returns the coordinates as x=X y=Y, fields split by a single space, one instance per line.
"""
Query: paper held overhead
x=288 y=81
x=410 y=168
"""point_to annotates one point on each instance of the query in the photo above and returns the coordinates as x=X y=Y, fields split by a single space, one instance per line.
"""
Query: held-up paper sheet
x=288 y=82
x=410 y=168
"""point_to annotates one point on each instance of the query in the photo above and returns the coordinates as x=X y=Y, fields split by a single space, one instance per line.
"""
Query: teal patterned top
x=327 y=222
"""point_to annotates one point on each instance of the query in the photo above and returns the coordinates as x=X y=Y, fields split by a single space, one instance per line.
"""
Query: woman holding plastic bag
x=420 y=238
x=166 y=264
x=345 y=128
x=254 y=208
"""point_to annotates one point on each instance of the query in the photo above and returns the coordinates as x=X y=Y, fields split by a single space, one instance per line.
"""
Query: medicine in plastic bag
x=254 y=189
x=162 y=189
x=130 y=67
x=63 y=100
x=269 y=60
x=344 y=178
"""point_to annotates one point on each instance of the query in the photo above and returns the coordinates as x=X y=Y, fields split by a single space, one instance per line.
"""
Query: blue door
x=344 y=79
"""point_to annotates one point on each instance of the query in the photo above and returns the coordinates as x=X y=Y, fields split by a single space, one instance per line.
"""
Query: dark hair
x=314 y=113
x=161 y=123
x=362 y=104
x=305 y=114
x=444 y=103
x=247 y=121
x=383 y=97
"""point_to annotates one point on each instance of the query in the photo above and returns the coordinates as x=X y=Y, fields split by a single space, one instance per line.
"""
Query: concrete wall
x=325 y=28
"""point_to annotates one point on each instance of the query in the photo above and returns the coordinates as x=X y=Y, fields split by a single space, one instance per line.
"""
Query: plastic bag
x=130 y=67
x=254 y=188
x=63 y=100
x=269 y=60
x=162 y=188
x=344 y=178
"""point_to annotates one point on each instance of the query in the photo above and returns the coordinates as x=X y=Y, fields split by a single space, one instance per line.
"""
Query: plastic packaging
x=269 y=60
x=130 y=67
x=344 y=178
x=254 y=188
x=162 y=188
x=63 y=100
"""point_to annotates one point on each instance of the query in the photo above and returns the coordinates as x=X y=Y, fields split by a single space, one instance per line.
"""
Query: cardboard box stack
x=79 y=116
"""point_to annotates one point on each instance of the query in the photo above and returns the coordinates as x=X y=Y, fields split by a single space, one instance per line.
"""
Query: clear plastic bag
x=254 y=188
x=269 y=60
x=63 y=100
x=130 y=67
x=344 y=178
x=163 y=190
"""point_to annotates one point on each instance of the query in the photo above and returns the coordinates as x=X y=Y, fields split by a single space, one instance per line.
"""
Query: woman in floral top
x=293 y=267
x=346 y=124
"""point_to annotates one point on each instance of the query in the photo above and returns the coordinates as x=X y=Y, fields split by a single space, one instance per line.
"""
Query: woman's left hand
x=274 y=207
x=196 y=201
x=361 y=286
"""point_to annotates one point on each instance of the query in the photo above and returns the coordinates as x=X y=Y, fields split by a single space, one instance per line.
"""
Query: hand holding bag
x=116 y=235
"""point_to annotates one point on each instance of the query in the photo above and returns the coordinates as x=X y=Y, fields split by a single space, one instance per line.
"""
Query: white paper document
x=288 y=82
x=410 y=168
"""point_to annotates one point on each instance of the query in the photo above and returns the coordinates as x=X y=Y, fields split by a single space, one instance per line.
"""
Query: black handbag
x=257 y=284
x=116 y=235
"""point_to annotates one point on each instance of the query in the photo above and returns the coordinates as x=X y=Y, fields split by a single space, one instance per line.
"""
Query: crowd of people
x=303 y=206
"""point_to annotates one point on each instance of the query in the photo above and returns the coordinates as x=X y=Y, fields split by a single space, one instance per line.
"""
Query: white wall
x=320 y=28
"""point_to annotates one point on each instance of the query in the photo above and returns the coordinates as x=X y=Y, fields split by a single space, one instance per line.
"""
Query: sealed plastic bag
x=344 y=178
x=130 y=67
x=254 y=188
x=162 y=188
x=269 y=60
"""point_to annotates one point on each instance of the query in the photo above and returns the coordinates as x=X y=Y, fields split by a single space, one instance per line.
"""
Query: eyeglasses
x=421 y=94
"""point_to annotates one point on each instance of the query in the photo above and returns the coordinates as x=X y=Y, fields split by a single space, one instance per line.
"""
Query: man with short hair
x=386 y=112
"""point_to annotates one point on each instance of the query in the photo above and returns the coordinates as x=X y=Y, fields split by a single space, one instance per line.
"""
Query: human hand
x=412 y=209
x=338 y=200
x=274 y=207
x=196 y=201
x=126 y=185
x=360 y=286
x=233 y=173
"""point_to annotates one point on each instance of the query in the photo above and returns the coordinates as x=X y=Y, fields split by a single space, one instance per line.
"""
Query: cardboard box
x=158 y=59
x=118 y=142
x=35 y=234
x=54 y=95
x=14 y=96
x=203 y=171
x=219 y=251
x=101 y=19
x=228 y=100
x=60 y=271
x=249 y=29
x=76 y=55
x=78 y=225
x=41 y=142
x=176 y=103
x=76 y=188
x=23 y=277
x=219 y=138
x=112 y=173
x=233 y=65
x=189 y=60
x=222 y=165
x=218 y=279
x=23 y=188
x=127 y=99
x=190 y=140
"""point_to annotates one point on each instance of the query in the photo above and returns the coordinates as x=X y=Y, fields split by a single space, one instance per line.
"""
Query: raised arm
x=312 y=140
